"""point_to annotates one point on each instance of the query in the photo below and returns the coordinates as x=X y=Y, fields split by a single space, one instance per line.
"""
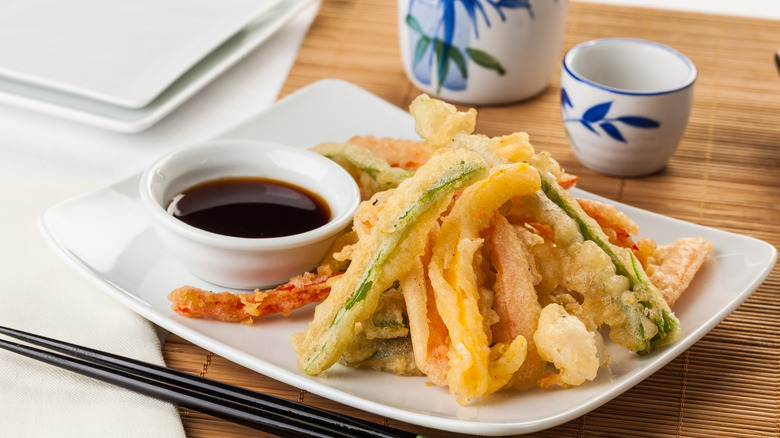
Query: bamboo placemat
x=725 y=174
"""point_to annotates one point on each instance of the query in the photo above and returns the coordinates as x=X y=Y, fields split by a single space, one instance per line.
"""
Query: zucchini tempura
x=372 y=172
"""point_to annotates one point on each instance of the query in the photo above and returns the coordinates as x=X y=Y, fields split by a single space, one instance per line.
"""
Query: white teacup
x=499 y=52
x=625 y=104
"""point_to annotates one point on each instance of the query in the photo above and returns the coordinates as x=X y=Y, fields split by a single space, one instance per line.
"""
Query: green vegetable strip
x=408 y=218
x=384 y=349
x=459 y=173
x=587 y=232
x=647 y=295
x=356 y=159
x=668 y=324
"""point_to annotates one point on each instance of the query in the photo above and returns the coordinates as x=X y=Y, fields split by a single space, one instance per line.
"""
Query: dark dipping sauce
x=250 y=207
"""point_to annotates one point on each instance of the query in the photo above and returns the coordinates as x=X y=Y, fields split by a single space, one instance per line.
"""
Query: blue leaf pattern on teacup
x=565 y=101
x=597 y=112
x=639 y=122
x=444 y=36
x=513 y=4
x=596 y=115
x=612 y=131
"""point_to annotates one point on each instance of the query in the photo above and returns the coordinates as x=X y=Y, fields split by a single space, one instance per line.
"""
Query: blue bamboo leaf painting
x=590 y=127
x=639 y=122
x=485 y=60
x=596 y=116
x=612 y=131
x=513 y=4
x=440 y=38
x=597 y=112
x=414 y=24
x=565 y=101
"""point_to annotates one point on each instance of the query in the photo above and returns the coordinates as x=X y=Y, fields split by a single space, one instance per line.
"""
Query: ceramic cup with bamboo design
x=481 y=52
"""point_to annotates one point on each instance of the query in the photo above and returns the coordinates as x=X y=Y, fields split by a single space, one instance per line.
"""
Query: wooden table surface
x=724 y=175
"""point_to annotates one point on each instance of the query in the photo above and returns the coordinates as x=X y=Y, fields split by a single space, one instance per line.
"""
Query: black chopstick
x=199 y=384
x=260 y=411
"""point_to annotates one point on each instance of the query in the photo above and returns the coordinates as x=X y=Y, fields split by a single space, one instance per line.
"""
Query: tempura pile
x=469 y=262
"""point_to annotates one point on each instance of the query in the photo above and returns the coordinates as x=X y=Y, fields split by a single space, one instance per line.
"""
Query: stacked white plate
x=125 y=64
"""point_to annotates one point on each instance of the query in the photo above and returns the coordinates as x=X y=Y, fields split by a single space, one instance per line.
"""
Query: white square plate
x=107 y=236
x=116 y=118
x=122 y=52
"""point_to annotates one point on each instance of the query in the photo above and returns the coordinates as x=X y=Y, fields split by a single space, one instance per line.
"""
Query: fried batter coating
x=381 y=258
x=244 y=307
x=334 y=262
x=516 y=302
x=429 y=335
x=562 y=339
x=388 y=320
x=476 y=367
x=393 y=355
x=617 y=222
x=382 y=342
x=618 y=227
x=672 y=266
x=406 y=154
x=371 y=172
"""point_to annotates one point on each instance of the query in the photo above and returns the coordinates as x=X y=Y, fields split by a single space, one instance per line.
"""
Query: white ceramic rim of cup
x=578 y=49
x=338 y=221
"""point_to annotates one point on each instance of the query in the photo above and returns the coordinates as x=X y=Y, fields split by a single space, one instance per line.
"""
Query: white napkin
x=41 y=147
x=41 y=294
x=44 y=160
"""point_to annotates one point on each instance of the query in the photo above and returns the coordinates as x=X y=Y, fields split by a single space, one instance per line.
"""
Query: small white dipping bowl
x=625 y=104
x=247 y=263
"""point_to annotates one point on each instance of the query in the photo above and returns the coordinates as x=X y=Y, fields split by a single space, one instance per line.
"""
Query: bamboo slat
x=724 y=175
